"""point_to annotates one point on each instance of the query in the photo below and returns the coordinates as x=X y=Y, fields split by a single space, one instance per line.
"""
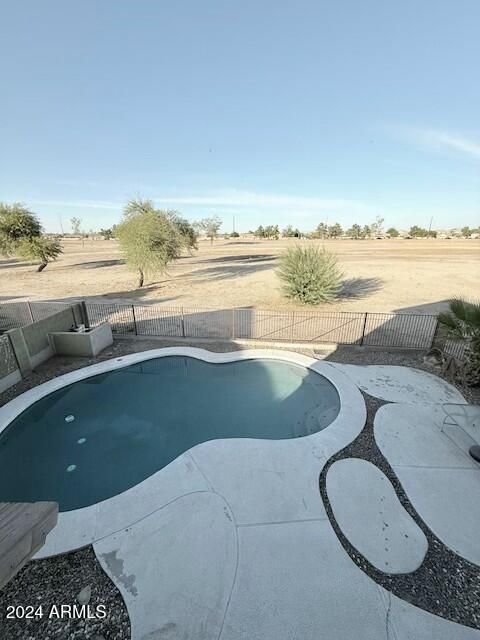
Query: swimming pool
x=101 y=435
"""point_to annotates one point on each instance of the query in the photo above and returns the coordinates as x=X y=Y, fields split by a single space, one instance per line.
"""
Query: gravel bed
x=58 y=581
x=445 y=584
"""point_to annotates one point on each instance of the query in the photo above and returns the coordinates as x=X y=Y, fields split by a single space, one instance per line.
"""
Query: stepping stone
x=371 y=517
x=416 y=436
x=295 y=582
x=448 y=501
x=401 y=384
x=175 y=568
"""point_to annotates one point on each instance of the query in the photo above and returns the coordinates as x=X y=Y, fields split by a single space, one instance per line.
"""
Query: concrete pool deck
x=232 y=540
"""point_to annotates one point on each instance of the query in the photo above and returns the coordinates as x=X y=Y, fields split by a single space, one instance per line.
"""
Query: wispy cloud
x=78 y=204
x=232 y=198
x=440 y=140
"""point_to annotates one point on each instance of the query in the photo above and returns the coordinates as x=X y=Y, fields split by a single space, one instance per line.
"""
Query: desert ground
x=379 y=275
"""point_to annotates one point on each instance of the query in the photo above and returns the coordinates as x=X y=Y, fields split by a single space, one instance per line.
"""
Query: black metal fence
x=371 y=329
x=19 y=314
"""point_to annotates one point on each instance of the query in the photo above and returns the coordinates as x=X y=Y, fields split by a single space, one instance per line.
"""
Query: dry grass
x=381 y=275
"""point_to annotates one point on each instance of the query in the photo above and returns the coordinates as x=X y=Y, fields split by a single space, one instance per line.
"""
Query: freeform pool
x=106 y=433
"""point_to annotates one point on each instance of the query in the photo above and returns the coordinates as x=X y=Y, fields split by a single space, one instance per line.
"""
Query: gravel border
x=58 y=581
x=445 y=584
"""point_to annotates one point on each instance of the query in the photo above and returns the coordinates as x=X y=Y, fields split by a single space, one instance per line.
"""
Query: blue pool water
x=99 y=436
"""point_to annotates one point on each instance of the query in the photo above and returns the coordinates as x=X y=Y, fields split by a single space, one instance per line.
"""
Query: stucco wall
x=36 y=334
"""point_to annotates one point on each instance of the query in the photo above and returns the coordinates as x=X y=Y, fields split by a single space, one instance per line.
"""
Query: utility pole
x=430 y=227
x=61 y=225
x=233 y=224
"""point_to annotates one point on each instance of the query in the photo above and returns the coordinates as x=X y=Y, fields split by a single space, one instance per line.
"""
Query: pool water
x=99 y=436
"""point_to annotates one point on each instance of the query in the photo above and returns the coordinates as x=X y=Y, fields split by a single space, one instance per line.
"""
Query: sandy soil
x=380 y=275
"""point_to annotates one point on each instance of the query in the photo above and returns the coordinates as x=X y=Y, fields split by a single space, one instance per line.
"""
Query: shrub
x=462 y=323
x=310 y=275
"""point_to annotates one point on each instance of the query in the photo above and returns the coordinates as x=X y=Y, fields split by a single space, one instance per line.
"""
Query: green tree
x=466 y=232
x=290 y=232
x=321 y=231
x=187 y=230
x=392 y=233
x=21 y=235
x=16 y=223
x=335 y=230
x=418 y=232
x=149 y=238
x=366 y=231
x=309 y=274
x=210 y=227
x=259 y=232
x=355 y=232
x=76 y=224
x=377 y=227
x=107 y=234
x=41 y=249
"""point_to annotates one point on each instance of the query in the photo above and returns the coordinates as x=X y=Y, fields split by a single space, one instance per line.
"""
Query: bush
x=310 y=275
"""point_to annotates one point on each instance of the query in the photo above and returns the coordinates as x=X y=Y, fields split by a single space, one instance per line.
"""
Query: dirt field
x=380 y=275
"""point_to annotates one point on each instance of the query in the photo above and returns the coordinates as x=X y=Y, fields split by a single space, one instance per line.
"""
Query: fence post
x=292 y=325
x=183 y=324
x=134 y=319
x=436 y=333
x=29 y=306
x=233 y=324
x=363 y=329
x=85 y=318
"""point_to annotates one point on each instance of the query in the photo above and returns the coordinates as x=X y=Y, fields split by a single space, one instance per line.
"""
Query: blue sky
x=271 y=111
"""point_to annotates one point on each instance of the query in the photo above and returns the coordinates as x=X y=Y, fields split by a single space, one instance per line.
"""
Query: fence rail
x=360 y=328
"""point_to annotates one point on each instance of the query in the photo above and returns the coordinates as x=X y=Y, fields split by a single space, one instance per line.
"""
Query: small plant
x=310 y=275
x=462 y=323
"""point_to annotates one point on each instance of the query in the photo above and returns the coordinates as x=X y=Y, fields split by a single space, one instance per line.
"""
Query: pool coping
x=80 y=527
